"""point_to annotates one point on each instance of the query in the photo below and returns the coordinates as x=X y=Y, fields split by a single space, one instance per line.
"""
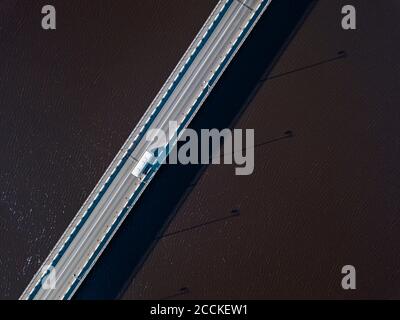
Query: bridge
x=134 y=166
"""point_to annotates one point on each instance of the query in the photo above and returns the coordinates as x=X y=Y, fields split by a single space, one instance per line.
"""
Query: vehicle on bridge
x=144 y=164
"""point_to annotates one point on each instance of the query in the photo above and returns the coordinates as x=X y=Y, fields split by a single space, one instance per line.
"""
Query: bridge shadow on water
x=146 y=224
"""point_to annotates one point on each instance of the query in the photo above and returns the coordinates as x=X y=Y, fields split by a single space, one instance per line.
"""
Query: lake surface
x=324 y=197
x=68 y=100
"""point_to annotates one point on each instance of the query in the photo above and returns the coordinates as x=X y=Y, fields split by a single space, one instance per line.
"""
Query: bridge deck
x=118 y=189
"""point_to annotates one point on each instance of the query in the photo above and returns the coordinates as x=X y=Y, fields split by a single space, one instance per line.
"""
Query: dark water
x=68 y=100
x=324 y=197
x=145 y=224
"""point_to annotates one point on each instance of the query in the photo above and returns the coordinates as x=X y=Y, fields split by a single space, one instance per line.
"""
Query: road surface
x=120 y=187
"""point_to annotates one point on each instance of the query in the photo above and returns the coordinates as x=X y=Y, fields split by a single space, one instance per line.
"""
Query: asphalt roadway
x=118 y=190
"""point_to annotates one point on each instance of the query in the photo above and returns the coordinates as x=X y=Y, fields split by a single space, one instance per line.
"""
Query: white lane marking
x=115 y=218
x=88 y=233
x=77 y=222
x=209 y=79
x=181 y=93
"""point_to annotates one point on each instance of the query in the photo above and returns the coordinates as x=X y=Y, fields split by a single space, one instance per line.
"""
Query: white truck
x=143 y=165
